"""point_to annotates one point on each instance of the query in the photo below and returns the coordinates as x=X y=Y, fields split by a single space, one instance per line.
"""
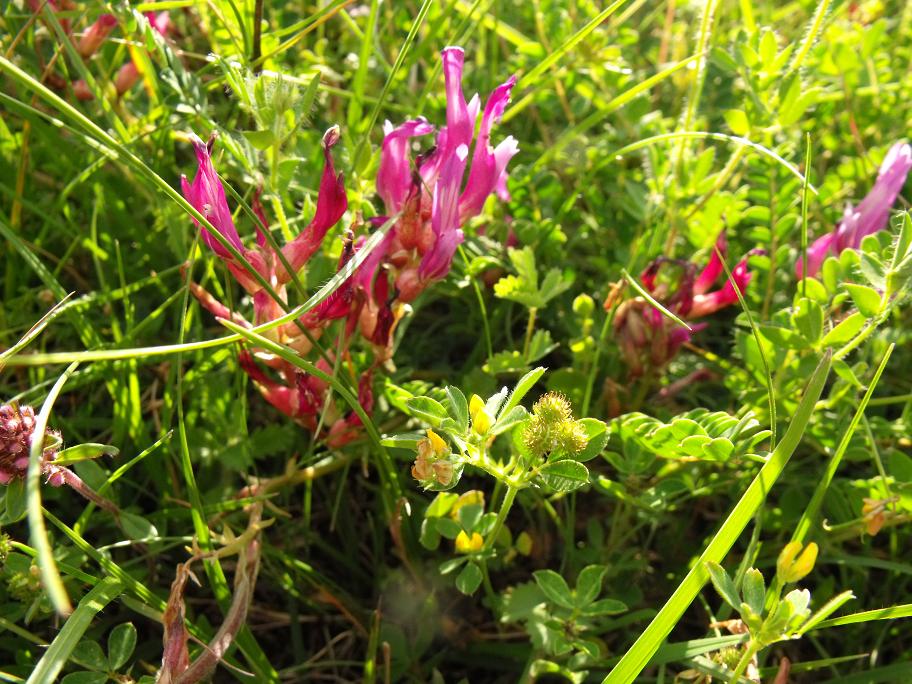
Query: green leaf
x=737 y=121
x=57 y=654
x=723 y=584
x=589 y=584
x=826 y=610
x=449 y=565
x=540 y=346
x=16 y=501
x=121 y=643
x=718 y=449
x=597 y=431
x=458 y=408
x=506 y=362
x=81 y=452
x=554 y=284
x=85 y=678
x=406 y=440
x=429 y=537
x=441 y=505
x=604 y=607
x=523 y=287
x=564 y=476
x=522 y=388
x=845 y=331
x=261 y=140
x=89 y=654
x=867 y=299
x=137 y=527
x=554 y=587
x=753 y=589
x=469 y=579
x=508 y=420
x=469 y=516
x=427 y=409
x=808 y=318
x=448 y=527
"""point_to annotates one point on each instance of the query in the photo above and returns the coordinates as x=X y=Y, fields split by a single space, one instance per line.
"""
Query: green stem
x=865 y=333
x=530 y=328
x=501 y=515
x=746 y=657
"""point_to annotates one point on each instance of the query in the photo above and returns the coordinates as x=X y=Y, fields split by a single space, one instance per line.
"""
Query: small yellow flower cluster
x=432 y=464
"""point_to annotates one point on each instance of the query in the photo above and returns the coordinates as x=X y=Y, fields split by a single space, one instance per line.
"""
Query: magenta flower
x=432 y=193
x=207 y=195
x=304 y=398
x=647 y=339
x=869 y=217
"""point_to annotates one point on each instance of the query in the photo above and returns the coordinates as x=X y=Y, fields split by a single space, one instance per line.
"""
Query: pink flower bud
x=96 y=34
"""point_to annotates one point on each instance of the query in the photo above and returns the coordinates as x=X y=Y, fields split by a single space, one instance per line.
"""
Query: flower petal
x=394 y=177
x=713 y=269
x=332 y=203
x=445 y=217
x=816 y=254
x=207 y=196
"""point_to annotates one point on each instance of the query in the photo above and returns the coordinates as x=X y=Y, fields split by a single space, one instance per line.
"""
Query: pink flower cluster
x=647 y=338
x=871 y=214
x=17 y=428
x=431 y=194
x=427 y=201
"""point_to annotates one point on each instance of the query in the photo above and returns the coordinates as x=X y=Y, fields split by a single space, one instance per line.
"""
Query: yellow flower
x=791 y=567
x=466 y=545
x=481 y=421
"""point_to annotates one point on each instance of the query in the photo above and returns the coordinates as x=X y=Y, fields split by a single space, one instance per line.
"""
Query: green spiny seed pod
x=571 y=437
x=537 y=436
x=552 y=408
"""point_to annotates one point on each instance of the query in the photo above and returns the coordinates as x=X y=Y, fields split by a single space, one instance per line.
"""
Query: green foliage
x=491 y=531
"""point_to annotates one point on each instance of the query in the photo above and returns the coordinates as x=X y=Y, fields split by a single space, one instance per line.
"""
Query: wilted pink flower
x=95 y=35
x=869 y=217
x=432 y=192
x=649 y=339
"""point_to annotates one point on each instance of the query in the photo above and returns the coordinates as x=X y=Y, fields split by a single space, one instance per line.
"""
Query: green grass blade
x=813 y=507
x=397 y=65
x=649 y=298
x=76 y=625
x=765 y=151
x=532 y=78
x=598 y=116
x=638 y=656
x=770 y=390
x=50 y=575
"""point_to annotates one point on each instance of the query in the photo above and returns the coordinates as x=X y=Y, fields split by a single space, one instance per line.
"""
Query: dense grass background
x=632 y=121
